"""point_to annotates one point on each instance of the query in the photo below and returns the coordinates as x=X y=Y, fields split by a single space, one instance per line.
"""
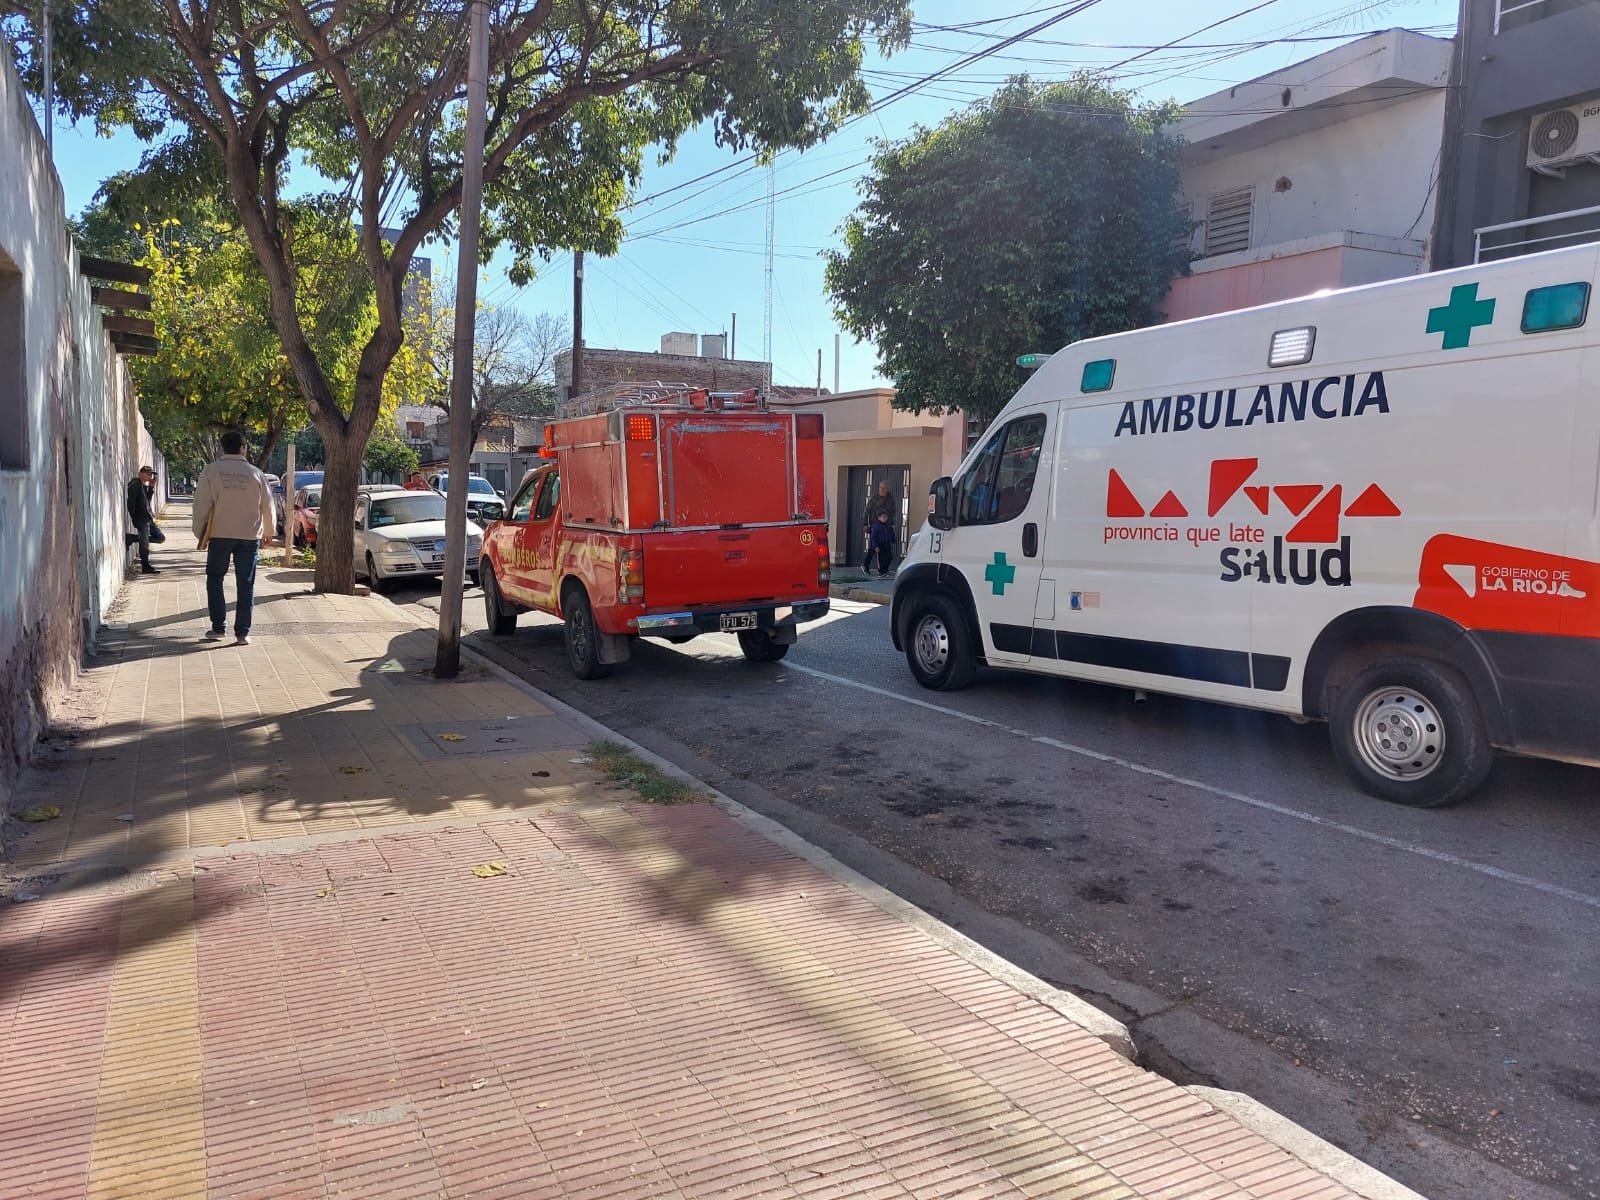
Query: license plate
x=734 y=621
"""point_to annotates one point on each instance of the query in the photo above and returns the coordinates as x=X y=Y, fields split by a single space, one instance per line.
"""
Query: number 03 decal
x=936 y=541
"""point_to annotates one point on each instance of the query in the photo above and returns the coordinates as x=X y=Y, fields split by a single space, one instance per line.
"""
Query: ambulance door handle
x=1030 y=540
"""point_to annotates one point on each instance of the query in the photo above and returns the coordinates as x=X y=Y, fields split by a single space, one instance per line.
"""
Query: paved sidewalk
x=251 y=958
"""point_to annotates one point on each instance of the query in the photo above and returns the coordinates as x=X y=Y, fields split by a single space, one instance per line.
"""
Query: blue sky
x=689 y=264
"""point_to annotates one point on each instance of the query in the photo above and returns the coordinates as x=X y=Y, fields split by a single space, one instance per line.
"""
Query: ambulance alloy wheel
x=759 y=647
x=583 y=638
x=1409 y=731
x=501 y=623
x=938 y=646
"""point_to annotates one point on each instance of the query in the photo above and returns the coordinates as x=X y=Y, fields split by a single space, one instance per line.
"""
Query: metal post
x=47 y=69
x=577 y=330
x=288 y=506
x=447 y=660
x=836 y=364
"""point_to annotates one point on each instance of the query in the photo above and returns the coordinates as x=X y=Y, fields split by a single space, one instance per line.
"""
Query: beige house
x=869 y=441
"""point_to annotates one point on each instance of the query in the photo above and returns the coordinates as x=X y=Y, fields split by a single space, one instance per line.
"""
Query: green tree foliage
x=387 y=457
x=363 y=98
x=1044 y=214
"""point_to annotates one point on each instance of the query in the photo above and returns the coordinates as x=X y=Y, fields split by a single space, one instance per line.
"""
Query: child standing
x=880 y=546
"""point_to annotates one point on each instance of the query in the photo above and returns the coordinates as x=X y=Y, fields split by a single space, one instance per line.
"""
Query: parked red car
x=306 y=503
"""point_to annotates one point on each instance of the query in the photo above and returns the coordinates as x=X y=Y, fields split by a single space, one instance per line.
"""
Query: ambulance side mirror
x=941 y=504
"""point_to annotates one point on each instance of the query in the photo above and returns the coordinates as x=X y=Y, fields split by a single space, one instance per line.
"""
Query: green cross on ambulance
x=1376 y=507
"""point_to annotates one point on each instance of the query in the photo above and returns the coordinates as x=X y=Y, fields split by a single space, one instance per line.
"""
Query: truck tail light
x=641 y=427
x=824 y=560
x=630 y=577
x=808 y=425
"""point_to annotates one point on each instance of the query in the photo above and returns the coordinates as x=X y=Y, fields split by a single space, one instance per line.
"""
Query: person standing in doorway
x=233 y=518
x=884 y=503
x=880 y=547
x=141 y=492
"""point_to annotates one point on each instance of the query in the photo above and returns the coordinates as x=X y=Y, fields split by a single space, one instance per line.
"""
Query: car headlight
x=396 y=547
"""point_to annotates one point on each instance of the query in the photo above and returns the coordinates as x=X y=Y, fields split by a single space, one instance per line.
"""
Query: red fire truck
x=692 y=512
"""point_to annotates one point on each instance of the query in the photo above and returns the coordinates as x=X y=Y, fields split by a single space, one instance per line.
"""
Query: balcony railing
x=1511 y=238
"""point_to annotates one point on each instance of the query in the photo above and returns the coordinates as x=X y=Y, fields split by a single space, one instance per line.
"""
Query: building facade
x=71 y=437
x=1321 y=175
x=1522 y=165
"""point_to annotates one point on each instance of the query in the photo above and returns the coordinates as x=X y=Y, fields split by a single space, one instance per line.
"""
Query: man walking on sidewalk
x=145 y=529
x=233 y=519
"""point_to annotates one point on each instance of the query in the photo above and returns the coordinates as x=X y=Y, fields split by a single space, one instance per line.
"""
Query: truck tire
x=939 y=646
x=501 y=623
x=759 y=647
x=582 y=636
x=1409 y=731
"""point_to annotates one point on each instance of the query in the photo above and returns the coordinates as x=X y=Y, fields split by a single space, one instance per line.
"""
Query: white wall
x=62 y=517
x=1372 y=173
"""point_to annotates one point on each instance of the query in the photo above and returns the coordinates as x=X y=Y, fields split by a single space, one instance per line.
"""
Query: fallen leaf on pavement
x=477 y=1083
x=452 y=737
x=352 y=770
x=541 y=774
x=39 y=812
x=488 y=870
x=325 y=892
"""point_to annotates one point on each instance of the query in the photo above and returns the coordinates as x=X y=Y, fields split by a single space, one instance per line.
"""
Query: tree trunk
x=336 y=519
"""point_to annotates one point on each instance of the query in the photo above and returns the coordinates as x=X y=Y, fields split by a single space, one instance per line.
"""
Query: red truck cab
x=692 y=513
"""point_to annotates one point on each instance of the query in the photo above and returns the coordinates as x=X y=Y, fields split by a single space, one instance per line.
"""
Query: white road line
x=1365 y=835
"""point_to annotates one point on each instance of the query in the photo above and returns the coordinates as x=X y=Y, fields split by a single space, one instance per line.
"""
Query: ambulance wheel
x=582 y=636
x=938 y=646
x=758 y=647
x=501 y=623
x=1409 y=731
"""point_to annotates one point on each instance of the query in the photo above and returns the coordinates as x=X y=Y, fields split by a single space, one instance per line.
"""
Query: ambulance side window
x=548 y=497
x=998 y=486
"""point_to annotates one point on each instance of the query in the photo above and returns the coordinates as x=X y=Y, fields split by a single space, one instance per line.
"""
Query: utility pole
x=819 y=370
x=836 y=364
x=447 y=660
x=47 y=66
x=577 y=330
x=733 y=338
x=772 y=226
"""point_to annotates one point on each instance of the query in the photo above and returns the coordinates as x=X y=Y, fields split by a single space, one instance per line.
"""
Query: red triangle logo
x=1120 y=500
x=1259 y=496
x=1321 y=524
x=1227 y=476
x=1374 y=502
x=1298 y=495
x=1169 y=506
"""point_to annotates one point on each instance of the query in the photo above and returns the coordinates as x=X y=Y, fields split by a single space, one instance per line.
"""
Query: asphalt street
x=1421 y=988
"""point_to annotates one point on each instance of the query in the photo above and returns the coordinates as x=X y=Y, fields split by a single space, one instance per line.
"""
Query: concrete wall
x=921 y=448
x=1372 y=173
x=1501 y=81
x=1283 y=272
x=61 y=502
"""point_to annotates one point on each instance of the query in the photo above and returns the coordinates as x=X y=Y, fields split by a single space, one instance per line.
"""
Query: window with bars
x=1228 y=221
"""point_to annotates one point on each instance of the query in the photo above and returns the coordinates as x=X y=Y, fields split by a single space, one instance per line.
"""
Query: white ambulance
x=1378 y=507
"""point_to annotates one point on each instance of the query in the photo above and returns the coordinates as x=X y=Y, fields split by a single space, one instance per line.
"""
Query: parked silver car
x=400 y=534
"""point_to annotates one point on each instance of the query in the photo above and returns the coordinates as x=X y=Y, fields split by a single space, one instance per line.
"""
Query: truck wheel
x=758 y=647
x=938 y=646
x=1409 y=731
x=583 y=638
x=500 y=622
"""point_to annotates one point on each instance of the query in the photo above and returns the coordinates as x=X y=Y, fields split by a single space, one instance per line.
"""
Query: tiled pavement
x=282 y=978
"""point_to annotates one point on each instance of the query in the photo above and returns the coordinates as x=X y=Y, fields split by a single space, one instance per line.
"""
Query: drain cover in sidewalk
x=474 y=739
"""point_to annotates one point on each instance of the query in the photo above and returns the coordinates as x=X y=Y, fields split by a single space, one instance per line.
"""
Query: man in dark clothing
x=141 y=491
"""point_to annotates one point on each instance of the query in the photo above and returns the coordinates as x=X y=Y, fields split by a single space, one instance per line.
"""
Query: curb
x=861 y=595
x=1319 y=1155
x=1080 y=1012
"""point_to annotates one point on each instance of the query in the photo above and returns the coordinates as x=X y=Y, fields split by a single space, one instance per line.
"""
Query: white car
x=400 y=534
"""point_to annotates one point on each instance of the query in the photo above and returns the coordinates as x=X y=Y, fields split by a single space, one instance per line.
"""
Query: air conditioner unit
x=1564 y=136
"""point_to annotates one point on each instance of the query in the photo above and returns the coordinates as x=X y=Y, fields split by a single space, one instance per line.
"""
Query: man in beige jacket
x=233 y=518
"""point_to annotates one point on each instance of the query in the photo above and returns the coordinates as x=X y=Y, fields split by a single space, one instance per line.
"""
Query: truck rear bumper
x=680 y=624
